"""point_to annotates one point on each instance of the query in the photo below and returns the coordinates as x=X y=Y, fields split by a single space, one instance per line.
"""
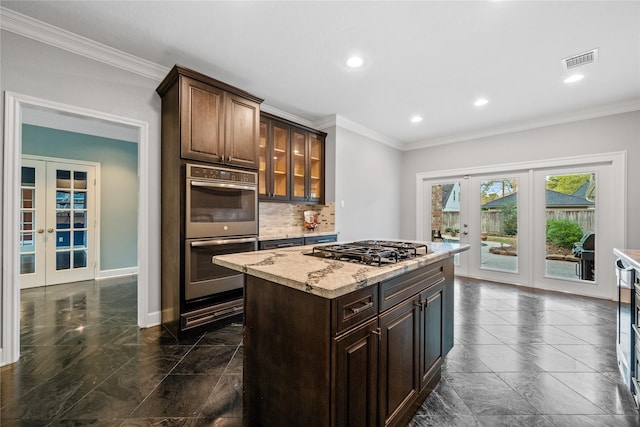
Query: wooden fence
x=490 y=220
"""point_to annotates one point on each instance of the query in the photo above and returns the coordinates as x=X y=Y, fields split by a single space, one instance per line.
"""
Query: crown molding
x=593 y=113
x=343 y=122
x=34 y=29
x=291 y=117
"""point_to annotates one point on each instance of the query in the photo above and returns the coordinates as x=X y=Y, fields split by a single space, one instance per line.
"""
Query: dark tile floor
x=521 y=358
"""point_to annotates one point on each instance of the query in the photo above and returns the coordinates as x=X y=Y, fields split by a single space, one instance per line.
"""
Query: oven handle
x=218 y=185
x=222 y=242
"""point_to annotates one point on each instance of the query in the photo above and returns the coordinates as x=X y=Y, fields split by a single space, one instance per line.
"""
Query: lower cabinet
x=356 y=376
x=399 y=355
x=365 y=359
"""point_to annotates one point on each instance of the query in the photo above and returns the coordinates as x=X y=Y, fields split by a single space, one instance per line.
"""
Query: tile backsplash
x=282 y=219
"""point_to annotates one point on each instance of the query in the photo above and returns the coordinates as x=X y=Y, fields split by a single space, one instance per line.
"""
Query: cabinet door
x=316 y=168
x=280 y=160
x=299 y=165
x=399 y=382
x=431 y=311
x=202 y=121
x=356 y=376
x=242 y=132
x=264 y=185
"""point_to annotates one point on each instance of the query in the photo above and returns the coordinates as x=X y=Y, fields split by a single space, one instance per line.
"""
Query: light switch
x=342 y=203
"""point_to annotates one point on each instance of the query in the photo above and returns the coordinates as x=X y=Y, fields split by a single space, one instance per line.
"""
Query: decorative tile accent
x=287 y=219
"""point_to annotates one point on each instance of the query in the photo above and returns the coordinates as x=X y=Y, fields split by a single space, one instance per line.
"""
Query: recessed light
x=480 y=102
x=355 y=62
x=574 y=78
x=416 y=119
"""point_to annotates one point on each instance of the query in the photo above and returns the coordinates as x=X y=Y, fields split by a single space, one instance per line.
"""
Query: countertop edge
x=631 y=256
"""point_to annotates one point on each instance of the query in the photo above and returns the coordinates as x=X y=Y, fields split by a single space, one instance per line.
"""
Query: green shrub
x=509 y=219
x=563 y=233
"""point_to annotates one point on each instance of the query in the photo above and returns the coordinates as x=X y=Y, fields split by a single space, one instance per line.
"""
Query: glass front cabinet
x=291 y=162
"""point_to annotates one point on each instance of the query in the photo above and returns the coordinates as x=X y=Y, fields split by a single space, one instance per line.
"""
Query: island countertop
x=631 y=256
x=325 y=277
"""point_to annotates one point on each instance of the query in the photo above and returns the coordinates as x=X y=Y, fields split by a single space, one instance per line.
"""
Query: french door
x=57 y=222
x=546 y=227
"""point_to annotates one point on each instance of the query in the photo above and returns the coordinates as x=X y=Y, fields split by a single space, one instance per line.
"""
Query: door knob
x=40 y=230
x=49 y=230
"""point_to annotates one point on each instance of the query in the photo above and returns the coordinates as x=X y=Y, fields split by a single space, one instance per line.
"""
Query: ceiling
x=432 y=59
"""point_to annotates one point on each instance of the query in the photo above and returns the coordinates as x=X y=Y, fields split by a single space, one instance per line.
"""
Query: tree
x=495 y=189
x=509 y=219
x=567 y=184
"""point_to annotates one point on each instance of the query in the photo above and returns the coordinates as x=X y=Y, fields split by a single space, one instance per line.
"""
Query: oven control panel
x=222 y=174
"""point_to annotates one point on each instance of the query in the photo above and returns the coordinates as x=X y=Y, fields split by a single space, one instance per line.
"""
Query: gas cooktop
x=371 y=252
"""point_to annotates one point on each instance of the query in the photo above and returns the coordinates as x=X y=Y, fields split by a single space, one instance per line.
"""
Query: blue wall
x=118 y=187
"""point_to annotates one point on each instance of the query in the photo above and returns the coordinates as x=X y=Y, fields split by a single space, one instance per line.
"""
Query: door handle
x=49 y=230
x=40 y=230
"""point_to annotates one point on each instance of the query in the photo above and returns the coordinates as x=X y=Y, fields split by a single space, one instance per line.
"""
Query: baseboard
x=116 y=272
x=153 y=319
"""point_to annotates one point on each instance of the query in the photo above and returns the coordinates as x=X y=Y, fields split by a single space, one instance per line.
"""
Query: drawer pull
x=284 y=245
x=361 y=308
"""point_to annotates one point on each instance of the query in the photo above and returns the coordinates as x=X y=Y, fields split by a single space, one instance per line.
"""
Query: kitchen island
x=336 y=343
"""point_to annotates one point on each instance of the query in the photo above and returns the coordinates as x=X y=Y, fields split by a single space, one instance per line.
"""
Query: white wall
x=368 y=180
x=32 y=68
x=619 y=132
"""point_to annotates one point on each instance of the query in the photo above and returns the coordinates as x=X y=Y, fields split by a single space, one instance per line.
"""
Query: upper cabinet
x=291 y=161
x=215 y=122
x=274 y=178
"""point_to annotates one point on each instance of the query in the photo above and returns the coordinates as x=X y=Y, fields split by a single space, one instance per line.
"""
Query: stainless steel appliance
x=371 y=252
x=220 y=202
x=212 y=292
x=626 y=319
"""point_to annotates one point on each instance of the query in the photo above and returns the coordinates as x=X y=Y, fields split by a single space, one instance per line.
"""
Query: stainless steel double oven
x=221 y=214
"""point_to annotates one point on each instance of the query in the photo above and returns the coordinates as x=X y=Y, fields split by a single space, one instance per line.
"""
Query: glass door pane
x=570 y=226
x=299 y=157
x=315 y=168
x=499 y=224
x=262 y=171
x=28 y=221
x=280 y=159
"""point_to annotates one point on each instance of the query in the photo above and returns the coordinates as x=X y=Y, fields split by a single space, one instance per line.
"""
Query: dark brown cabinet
x=431 y=306
x=275 y=159
x=291 y=161
x=218 y=123
x=399 y=353
x=367 y=358
x=204 y=121
x=356 y=376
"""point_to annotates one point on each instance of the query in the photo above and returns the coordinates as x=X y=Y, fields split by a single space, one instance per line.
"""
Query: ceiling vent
x=580 y=60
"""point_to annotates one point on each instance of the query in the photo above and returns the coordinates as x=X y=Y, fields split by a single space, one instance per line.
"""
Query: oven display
x=222 y=174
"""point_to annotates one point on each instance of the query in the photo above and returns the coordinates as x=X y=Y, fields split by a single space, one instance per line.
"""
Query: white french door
x=523 y=223
x=57 y=222
x=446 y=219
x=592 y=218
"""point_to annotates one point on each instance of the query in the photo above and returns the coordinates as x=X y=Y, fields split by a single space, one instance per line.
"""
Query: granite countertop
x=324 y=277
x=263 y=237
x=630 y=256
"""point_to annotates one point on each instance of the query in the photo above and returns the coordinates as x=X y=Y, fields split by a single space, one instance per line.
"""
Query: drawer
x=353 y=308
x=394 y=291
x=280 y=243
x=316 y=240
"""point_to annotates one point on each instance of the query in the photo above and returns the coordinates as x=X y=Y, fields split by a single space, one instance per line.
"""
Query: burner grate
x=370 y=252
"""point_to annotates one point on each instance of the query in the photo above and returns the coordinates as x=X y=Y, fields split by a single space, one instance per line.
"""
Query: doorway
x=505 y=216
x=14 y=107
x=58 y=217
